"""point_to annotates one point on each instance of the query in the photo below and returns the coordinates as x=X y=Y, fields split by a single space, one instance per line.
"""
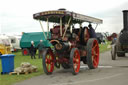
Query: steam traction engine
x=70 y=45
x=121 y=45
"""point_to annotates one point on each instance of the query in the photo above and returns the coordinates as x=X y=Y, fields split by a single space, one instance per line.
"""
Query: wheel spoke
x=51 y=63
x=94 y=46
x=74 y=60
x=47 y=66
x=96 y=54
x=92 y=53
x=75 y=56
x=94 y=61
x=77 y=61
x=46 y=60
x=92 y=57
x=75 y=65
x=93 y=50
x=49 y=57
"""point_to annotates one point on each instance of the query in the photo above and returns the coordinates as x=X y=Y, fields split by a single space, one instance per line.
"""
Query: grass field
x=103 y=47
x=11 y=79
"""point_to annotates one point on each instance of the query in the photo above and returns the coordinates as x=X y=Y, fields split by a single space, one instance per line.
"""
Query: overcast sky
x=16 y=16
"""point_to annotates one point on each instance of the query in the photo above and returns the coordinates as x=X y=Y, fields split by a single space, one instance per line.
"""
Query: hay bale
x=34 y=68
x=26 y=70
x=25 y=64
x=18 y=70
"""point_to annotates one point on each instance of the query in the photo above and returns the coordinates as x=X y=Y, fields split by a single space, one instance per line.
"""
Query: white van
x=15 y=42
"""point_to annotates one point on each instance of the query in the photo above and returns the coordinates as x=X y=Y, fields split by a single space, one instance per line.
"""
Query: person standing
x=32 y=50
x=40 y=48
x=113 y=40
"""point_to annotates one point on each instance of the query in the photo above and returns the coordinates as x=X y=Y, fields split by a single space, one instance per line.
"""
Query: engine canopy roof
x=54 y=16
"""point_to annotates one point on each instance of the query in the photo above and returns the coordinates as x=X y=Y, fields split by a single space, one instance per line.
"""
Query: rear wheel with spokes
x=75 y=60
x=48 y=61
x=92 y=53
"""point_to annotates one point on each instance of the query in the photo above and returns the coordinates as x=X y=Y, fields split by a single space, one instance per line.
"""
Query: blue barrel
x=7 y=62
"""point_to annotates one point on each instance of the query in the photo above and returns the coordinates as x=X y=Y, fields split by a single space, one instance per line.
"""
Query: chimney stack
x=125 y=20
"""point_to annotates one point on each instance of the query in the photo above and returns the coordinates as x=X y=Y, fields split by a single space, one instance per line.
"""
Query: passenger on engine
x=92 y=31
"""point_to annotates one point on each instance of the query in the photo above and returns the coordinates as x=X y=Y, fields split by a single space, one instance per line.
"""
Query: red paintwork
x=49 y=61
x=95 y=54
x=25 y=52
x=62 y=60
x=56 y=32
x=76 y=61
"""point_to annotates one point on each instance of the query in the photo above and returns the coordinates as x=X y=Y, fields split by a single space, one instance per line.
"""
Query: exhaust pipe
x=125 y=20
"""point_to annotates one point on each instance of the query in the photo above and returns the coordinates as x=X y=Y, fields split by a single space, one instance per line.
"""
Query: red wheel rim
x=25 y=52
x=76 y=61
x=49 y=60
x=95 y=53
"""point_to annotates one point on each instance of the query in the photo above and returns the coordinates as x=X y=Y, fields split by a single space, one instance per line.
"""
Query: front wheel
x=48 y=61
x=92 y=53
x=75 y=61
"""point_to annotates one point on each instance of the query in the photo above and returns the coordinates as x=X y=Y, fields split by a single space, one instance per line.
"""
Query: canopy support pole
x=60 y=26
x=66 y=26
x=47 y=27
x=80 y=26
x=96 y=26
x=42 y=29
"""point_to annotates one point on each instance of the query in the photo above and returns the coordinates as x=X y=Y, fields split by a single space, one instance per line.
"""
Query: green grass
x=11 y=79
x=103 y=47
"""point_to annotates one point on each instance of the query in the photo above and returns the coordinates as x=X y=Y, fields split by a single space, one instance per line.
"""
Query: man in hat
x=32 y=50
x=92 y=31
x=40 y=48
